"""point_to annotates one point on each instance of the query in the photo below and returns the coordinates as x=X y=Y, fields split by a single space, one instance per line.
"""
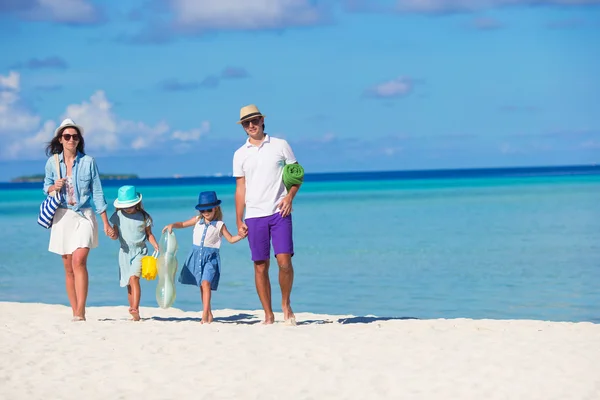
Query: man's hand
x=242 y=229
x=285 y=206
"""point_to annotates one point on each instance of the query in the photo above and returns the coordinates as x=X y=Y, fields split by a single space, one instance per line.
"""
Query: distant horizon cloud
x=398 y=87
x=567 y=23
x=452 y=6
x=234 y=73
x=486 y=24
x=211 y=81
x=68 y=12
x=38 y=63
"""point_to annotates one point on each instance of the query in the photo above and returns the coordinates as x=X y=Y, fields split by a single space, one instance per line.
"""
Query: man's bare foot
x=287 y=312
x=269 y=319
x=288 y=315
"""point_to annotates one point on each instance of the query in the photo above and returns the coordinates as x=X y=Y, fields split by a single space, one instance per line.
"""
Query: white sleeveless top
x=212 y=237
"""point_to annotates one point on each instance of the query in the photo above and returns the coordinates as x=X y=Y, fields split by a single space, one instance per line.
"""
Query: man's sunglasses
x=68 y=136
x=254 y=121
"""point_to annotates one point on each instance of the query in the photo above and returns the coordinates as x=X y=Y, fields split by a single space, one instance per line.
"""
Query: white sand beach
x=169 y=355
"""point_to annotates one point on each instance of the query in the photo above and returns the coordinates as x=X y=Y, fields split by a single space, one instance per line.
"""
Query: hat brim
x=127 y=204
x=251 y=116
x=201 y=207
x=63 y=127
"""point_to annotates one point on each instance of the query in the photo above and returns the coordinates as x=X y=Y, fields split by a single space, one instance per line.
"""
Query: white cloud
x=193 y=134
x=441 y=6
x=591 y=145
x=104 y=131
x=398 y=87
x=11 y=81
x=244 y=14
x=14 y=118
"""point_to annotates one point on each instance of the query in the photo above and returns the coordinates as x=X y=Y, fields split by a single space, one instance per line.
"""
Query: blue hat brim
x=201 y=207
x=128 y=203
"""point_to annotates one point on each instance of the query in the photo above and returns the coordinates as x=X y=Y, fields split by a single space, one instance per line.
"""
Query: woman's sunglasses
x=254 y=121
x=207 y=210
x=68 y=136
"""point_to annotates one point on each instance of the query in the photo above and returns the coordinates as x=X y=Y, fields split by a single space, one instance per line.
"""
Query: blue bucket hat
x=207 y=200
x=127 y=197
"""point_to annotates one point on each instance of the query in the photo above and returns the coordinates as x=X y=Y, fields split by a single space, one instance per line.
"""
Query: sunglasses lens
x=254 y=122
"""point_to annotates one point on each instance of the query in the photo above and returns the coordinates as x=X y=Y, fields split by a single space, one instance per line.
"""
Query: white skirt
x=71 y=231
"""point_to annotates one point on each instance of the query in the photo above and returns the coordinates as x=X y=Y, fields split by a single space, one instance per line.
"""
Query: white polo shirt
x=262 y=166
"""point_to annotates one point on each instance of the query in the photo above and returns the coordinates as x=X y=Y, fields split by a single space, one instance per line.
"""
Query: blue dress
x=203 y=262
x=132 y=236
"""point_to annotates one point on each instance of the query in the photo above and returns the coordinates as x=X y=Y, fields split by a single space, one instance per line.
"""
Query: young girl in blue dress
x=202 y=266
x=133 y=227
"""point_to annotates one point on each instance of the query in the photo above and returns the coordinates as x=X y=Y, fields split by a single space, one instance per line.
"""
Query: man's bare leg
x=263 y=288
x=286 y=281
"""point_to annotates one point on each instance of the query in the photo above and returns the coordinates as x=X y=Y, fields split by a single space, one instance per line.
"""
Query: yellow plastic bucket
x=149 y=269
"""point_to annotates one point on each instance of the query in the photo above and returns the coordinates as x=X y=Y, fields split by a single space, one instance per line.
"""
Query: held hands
x=242 y=229
x=110 y=232
x=285 y=206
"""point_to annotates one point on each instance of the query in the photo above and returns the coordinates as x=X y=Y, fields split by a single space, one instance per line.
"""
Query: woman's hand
x=109 y=231
x=168 y=228
x=58 y=184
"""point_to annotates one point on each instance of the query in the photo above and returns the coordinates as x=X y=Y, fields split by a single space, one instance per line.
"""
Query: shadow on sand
x=249 y=319
x=246 y=319
x=368 y=320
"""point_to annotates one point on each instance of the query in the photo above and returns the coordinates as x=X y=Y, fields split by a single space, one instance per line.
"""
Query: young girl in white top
x=202 y=267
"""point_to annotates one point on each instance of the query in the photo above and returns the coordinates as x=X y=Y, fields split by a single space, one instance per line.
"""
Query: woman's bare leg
x=70 y=281
x=80 y=272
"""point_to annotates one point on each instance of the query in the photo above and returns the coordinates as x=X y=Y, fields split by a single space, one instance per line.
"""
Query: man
x=258 y=169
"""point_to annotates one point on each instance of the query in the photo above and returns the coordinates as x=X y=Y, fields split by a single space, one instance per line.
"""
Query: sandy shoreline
x=170 y=355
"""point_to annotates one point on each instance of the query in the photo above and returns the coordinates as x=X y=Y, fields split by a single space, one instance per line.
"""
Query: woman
x=74 y=229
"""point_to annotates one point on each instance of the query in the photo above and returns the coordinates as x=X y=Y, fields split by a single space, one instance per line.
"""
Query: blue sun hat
x=207 y=200
x=127 y=197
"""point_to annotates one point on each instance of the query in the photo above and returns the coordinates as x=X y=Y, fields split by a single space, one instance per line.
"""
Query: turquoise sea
x=502 y=245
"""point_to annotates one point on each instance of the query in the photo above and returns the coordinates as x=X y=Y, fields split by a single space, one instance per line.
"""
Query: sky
x=352 y=85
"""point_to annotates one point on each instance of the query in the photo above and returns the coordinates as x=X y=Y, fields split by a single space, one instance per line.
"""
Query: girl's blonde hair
x=140 y=208
x=218 y=214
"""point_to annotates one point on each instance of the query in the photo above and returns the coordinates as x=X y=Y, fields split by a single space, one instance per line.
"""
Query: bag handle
x=55 y=193
x=57 y=165
x=155 y=254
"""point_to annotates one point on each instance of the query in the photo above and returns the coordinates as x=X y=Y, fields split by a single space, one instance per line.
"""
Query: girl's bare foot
x=207 y=317
x=135 y=314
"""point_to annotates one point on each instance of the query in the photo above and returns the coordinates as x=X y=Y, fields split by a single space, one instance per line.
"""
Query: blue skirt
x=201 y=264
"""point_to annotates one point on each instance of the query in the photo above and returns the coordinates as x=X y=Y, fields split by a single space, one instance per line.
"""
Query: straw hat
x=66 y=124
x=249 y=112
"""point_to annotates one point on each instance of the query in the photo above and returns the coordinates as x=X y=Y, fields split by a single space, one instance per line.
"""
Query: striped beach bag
x=50 y=204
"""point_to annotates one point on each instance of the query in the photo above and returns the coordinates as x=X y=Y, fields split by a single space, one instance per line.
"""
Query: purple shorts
x=262 y=229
